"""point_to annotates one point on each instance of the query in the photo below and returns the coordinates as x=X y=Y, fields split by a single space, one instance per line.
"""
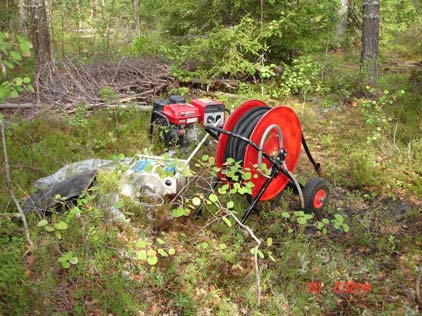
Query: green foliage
x=14 y=286
x=68 y=259
x=146 y=46
x=288 y=28
x=307 y=220
x=301 y=77
x=149 y=250
x=134 y=269
x=239 y=49
x=224 y=52
x=374 y=112
x=339 y=223
x=397 y=18
x=108 y=95
x=13 y=49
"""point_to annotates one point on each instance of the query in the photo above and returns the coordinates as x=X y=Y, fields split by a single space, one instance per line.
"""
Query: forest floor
x=372 y=268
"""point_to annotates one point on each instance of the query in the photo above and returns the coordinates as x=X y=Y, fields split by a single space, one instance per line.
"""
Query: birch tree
x=342 y=18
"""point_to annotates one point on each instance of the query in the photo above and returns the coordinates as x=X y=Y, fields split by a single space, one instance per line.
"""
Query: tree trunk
x=22 y=14
x=370 y=34
x=342 y=19
x=137 y=20
x=40 y=35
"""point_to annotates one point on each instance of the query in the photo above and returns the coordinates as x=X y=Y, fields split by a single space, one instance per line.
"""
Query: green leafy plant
x=149 y=251
x=13 y=49
x=304 y=219
x=58 y=225
x=339 y=223
x=375 y=114
x=261 y=253
x=108 y=95
x=80 y=117
x=231 y=170
x=68 y=259
x=300 y=77
x=267 y=71
x=322 y=225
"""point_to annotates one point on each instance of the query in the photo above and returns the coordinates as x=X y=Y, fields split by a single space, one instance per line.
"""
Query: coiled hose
x=236 y=148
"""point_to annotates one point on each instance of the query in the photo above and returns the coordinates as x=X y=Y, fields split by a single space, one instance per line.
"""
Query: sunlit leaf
x=213 y=198
x=142 y=255
x=285 y=215
x=141 y=243
x=230 y=204
x=179 y=212
x=15 y=55
x=49 y=229
x=61 y=225
x=152 y=260
x=162 y=252
x=151 y=253
x=227 y=221
x=196 y=201
x=171 y=251
x=42 y=223
x=66 y=264
x=74 y=260
x=346 y=228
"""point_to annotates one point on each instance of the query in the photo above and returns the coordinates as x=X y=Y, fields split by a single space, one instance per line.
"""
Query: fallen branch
x=130 y=79
x=141 y=108
x=17 y=106
x=9 y=184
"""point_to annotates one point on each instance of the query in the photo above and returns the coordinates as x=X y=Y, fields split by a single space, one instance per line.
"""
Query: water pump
x=176 y=120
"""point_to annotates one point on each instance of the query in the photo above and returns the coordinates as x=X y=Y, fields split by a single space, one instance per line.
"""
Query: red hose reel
x=257 y=134
x=291 y=133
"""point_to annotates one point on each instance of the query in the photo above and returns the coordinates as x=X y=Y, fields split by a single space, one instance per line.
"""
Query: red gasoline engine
x=176 y=119
x=254 y=134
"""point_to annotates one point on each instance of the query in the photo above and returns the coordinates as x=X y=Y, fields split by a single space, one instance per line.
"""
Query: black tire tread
x=310 y=189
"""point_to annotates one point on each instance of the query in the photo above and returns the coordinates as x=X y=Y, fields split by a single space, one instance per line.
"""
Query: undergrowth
x=171 y=264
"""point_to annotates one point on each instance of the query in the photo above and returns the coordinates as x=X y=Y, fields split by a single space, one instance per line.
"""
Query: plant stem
x=258 y=241
x=9 y=185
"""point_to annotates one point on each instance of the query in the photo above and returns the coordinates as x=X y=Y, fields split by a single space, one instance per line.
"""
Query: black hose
x=236 y=147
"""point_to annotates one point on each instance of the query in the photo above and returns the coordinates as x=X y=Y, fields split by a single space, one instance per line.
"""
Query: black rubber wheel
x=315 y=194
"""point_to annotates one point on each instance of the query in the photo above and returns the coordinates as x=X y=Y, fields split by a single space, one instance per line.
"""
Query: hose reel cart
x=257 y=134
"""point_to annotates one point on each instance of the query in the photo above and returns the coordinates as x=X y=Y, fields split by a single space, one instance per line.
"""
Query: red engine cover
x=181 y=114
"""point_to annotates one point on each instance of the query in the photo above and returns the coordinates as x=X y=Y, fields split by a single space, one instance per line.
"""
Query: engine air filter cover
x=181 y=114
